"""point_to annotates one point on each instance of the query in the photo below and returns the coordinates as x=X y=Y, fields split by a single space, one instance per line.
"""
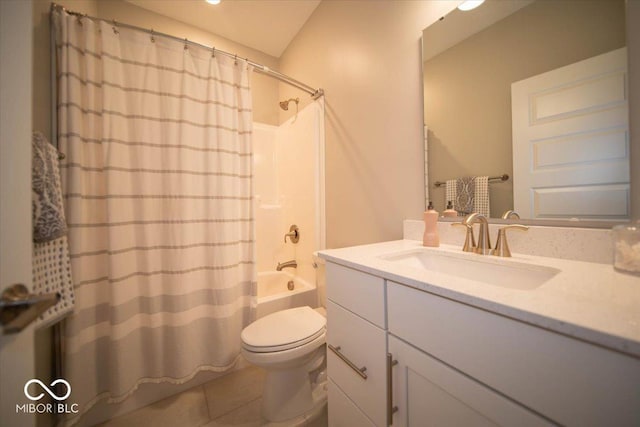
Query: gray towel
x=465 y=195
x=47 y=210
x=450 y=194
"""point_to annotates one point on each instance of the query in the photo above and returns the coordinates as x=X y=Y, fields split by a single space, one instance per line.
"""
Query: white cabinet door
x=430 y=393
x=571 y=141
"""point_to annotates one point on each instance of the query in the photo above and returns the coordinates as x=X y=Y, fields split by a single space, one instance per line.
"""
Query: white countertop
x=585 y=300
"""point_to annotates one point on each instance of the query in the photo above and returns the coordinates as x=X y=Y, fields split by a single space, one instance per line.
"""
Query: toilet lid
x=283 y=330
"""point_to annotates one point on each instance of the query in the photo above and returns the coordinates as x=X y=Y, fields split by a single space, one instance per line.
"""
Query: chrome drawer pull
x=390 y=408
x=359 y=371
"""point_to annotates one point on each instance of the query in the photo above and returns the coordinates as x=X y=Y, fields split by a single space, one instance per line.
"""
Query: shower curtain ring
x=186 y=44
x=235 y=59
x=115 y=27
x=153 y=40
x=213 y=52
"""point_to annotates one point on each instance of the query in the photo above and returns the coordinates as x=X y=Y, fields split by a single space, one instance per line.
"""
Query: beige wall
x=265 y=89
x=468 y=87
x=366 y=55
x=633 y=45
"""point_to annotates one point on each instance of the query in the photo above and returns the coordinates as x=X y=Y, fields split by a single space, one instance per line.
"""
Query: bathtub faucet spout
x=287 y=264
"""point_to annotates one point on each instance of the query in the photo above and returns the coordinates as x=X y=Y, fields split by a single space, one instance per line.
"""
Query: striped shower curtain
x=158 y=186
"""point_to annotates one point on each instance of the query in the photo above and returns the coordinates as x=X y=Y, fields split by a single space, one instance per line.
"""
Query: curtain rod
x=263 y=69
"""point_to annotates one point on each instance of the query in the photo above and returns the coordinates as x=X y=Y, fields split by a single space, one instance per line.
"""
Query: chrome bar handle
x=390 y=408
x=359 y=371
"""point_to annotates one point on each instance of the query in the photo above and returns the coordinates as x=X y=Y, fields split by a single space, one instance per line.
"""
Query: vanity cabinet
x=564 y=380
x=455 y=364
x=357 y=342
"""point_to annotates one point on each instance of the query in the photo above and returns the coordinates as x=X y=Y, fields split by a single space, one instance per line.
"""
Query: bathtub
x=273 y=294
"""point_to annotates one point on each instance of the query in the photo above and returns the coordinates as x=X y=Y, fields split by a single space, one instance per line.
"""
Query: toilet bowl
x=288 y=344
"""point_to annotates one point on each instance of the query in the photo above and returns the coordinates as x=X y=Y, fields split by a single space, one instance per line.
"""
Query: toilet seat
x=283 y=330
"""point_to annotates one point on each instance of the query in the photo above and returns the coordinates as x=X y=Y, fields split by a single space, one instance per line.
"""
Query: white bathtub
x=273 y=294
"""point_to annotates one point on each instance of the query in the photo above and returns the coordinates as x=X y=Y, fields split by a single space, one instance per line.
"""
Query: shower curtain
x=158 y=190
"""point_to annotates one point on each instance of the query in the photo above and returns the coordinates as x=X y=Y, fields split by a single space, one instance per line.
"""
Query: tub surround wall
x=297 y=171
x=285 y=188
x=579 y=244
x=270 y=223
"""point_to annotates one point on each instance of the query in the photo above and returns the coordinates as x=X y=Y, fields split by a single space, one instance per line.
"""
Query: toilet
x=288 y=344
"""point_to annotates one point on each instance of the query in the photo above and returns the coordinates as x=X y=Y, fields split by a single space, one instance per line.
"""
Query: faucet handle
x=293 y=234
x=502 y=247
x=470 y=239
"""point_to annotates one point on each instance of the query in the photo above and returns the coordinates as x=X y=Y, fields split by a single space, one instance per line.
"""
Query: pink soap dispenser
x=430 y=237
x=449 y=212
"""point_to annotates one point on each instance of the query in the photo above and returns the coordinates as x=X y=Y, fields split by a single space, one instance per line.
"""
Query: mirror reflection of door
x=470 y=61
x=571 y=141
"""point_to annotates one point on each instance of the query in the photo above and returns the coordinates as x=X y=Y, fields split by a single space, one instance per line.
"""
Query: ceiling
x=265 y=25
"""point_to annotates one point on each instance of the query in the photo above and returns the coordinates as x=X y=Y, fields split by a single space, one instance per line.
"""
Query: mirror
x=473 y=127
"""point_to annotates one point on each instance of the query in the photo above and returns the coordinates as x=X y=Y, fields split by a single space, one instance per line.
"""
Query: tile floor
x=231 y=400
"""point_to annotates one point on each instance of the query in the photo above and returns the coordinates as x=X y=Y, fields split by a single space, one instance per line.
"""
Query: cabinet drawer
x=358 y=292
x=569 y=381
x=364 y=345
x=343 y=412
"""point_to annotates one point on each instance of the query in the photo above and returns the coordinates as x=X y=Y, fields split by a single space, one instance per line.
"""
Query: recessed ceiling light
x=470 y=4
x=213 y=1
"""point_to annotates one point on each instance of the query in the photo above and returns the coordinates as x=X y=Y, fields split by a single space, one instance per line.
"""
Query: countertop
x=587 y=301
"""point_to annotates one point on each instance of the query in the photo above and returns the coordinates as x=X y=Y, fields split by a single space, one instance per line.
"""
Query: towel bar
x=504 y=177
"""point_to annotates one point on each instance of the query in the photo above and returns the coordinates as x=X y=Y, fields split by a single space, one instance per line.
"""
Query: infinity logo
x=47 y=389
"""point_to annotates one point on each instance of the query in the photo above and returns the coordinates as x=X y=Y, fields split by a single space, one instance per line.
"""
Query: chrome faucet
x=287 y=264
x=484 y=241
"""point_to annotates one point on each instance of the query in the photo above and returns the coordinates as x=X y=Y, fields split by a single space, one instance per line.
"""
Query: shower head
x=285 y=104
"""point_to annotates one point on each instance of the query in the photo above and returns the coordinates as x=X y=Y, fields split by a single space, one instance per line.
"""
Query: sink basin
x=480 y=268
